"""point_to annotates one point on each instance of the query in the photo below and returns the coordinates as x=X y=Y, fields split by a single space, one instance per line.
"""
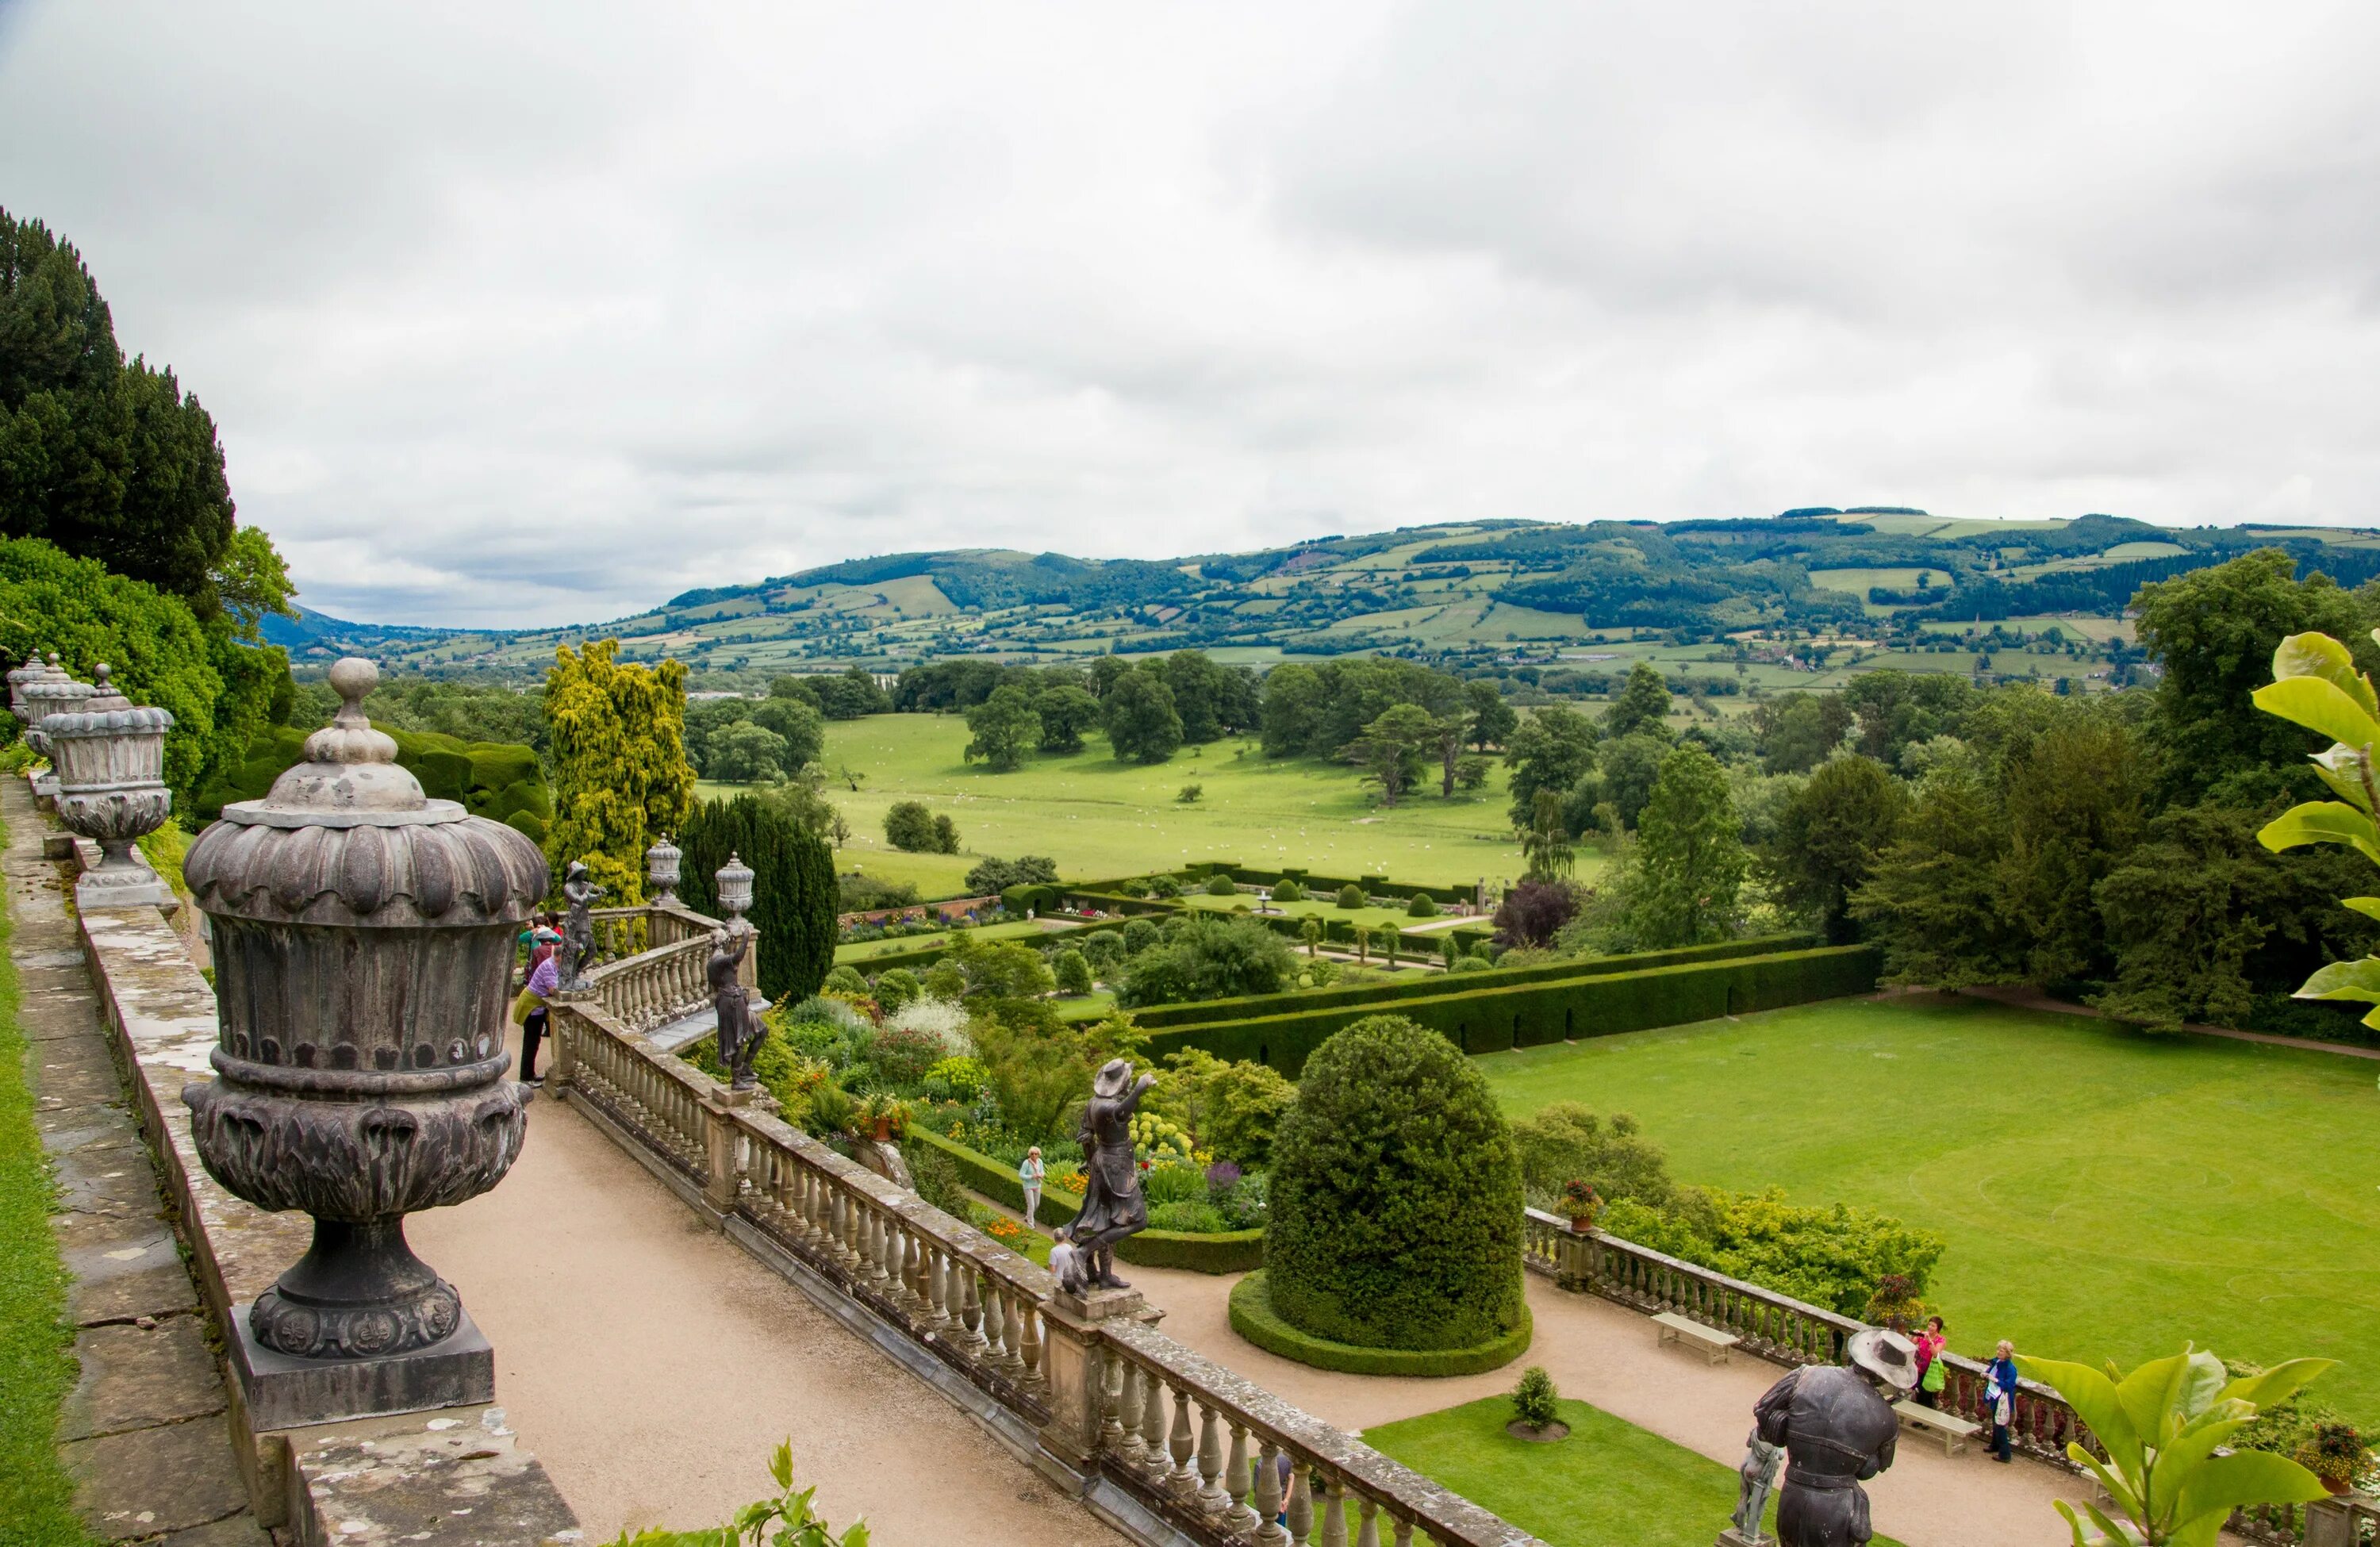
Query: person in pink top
x=1930 y=1344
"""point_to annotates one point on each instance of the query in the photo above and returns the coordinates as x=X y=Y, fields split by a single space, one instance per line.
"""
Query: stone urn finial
x=110 y=758
x=735 y=881
x=662 y=863
x=363 y=942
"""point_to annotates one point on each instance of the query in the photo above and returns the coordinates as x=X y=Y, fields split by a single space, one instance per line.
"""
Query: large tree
x=1552 y=749
x=1643 y=704
x=2215 y=630
x=794 y=898
x=1141 y=722
x=108 y=459
x=1690 y=858
x=621 y=777
x=1492 y=721
x=1934 y=898
x=1391 y=747
x=1005 y=728
x=1828 y=837
x=1066 y=711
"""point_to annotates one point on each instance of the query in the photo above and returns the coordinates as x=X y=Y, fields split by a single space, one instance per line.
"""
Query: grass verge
x=36 y=1360
x=1609 y=1481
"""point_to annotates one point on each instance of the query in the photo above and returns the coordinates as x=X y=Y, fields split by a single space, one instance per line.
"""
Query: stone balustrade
x=1777 y=1327
x=653 y=987
x=1165 y=1443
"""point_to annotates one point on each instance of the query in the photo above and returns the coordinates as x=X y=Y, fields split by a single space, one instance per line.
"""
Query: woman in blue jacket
x=1999 y=1396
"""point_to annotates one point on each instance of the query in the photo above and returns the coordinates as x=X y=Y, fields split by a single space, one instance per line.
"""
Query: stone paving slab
x=119 y=1281
x=236 y=1530
x=135 y=1377
x=154 y=1481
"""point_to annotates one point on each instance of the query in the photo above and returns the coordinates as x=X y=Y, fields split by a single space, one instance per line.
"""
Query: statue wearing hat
x=1112 y=1205
x=579 y=890
x=1837 y=1428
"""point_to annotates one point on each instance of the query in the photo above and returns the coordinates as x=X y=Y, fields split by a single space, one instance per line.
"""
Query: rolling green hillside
x=1843 y=577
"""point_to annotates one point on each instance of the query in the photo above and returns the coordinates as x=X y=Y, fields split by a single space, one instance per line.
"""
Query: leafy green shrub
x=1534 y=1398
x=934 y=1178
x=1832 y=1257
x=897 y=988
x=1140 y=934
x=1192 y=1217
x=798 y=1524
x=1164 y=886
x=1287 y=890
x=943 y=980
x=1421 y=907
x=1396 y=1204
x=902 y=1054
x=845 y=979
x=958 y=1079
x=1220 y=886
x=1208 y=958
x=1564 y=1141
x=1073 y=971
x=1174 y=1184
x=1233 y=1106
x=1350 y=895
x=1253 y=1317
x=1104 y=950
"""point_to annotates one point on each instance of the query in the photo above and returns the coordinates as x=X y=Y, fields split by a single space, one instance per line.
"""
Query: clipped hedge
x=1234 y=1251
x=1480 y=1017
x=1254 y=1005
x=501 y=781
x=1253 y=1318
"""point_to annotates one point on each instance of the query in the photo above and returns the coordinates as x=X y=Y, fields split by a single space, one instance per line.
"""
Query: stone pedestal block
x=284 y=1391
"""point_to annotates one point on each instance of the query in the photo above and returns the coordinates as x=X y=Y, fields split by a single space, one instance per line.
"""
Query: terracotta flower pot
x=883 y=1129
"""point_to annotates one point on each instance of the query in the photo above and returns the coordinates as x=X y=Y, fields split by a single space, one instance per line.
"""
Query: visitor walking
x=529 y=1010
x=1028 y=1176
x=1933 y=1374
x=2000 y=1398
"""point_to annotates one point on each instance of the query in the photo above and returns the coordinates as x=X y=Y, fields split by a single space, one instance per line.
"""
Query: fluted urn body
x=734 y=883
x=110 y=761
x=34 y=670
x=363 y=944
x=57 y=695
x=661 y=865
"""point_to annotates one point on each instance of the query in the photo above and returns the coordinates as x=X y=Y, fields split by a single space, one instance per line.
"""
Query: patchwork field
x=2104 y=1194
x=1609 y=1481
x=1101 y=818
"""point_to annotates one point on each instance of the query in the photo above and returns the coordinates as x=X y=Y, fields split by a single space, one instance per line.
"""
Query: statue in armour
x=1837 y=1428
x=579 y=890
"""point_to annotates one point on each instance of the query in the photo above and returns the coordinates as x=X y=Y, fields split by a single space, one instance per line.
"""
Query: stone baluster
x=1335 y=1512
x=1130 y=1450
x=971 y=1308
x=952 y=1293
x=1112 y=1430
x=1212 y=1500
x=995 y=1328
x=933 y=1270
x=1238 y=1483
x=919 y=1294
x=1268 y=1496
x=1403 y=1535
x=1029 y=1346
x=854 y=1222
x=1367 y=1529
x=1301 y=1503
x=1183 y=1481
x=1152 y=1428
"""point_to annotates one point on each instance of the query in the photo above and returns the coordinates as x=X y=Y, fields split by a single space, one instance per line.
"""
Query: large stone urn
x=35 y=669
x=110 y=761
x=363 y=944
x=663 y=862
x=60 y=694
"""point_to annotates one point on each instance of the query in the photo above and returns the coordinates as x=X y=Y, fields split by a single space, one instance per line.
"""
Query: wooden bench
x=1680 y=1330
x=1953 y=1430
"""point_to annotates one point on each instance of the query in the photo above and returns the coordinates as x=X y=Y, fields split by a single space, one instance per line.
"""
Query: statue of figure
x=578 y=930
x=740 y=1031
x=1838 y=1428
x=1758 y=1475
x=1112 y=1205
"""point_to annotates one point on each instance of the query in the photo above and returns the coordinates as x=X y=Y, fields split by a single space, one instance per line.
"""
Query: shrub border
x=1229 y=1252
x=1254 y=1318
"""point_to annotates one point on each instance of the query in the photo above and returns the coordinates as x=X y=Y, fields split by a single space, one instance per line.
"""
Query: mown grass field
x=1098 y=818
x=1608 y=1482
x=2104 y=1193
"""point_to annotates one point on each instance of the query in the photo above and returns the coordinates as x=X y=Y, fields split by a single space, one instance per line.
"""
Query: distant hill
x=1464 y=587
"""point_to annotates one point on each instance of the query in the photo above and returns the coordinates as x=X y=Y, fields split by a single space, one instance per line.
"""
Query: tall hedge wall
x=1529 y=1014
x=1256 y=1005
x=499 y=780
x=793 y=888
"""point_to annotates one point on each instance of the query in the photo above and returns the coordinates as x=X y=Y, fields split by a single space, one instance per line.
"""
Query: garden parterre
x=2105 y=1193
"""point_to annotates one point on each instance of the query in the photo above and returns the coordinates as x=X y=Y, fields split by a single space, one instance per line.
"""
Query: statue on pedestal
x=1113 y=1206
x=740 y=1031
x=1837 y=1428
x=578 y=930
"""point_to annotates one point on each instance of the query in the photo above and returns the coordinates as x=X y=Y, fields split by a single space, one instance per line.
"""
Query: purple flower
x=1222 y=1177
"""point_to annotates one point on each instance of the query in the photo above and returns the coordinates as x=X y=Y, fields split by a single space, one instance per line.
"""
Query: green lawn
x=1100 y=819
x=36 y=1368
x=2104 y=1193
x=1611 y=1481
x=869 y=950
x=1375 y=917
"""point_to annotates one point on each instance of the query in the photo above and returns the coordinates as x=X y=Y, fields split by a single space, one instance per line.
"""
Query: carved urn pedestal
x=110 y=759
x=363 y=944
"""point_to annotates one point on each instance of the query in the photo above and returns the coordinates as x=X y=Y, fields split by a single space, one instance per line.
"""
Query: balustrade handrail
x=1449 y=1518
x=626 y=965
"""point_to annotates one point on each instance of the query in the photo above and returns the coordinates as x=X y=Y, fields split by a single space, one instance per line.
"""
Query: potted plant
x=2334 y=1453
x=1584 y=1204
x=884 y=1117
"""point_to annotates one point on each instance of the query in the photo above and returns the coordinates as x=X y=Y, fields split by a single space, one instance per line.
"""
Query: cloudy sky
x=516 y=314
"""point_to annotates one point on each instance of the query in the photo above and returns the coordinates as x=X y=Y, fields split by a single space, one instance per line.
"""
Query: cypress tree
x=793 y=888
